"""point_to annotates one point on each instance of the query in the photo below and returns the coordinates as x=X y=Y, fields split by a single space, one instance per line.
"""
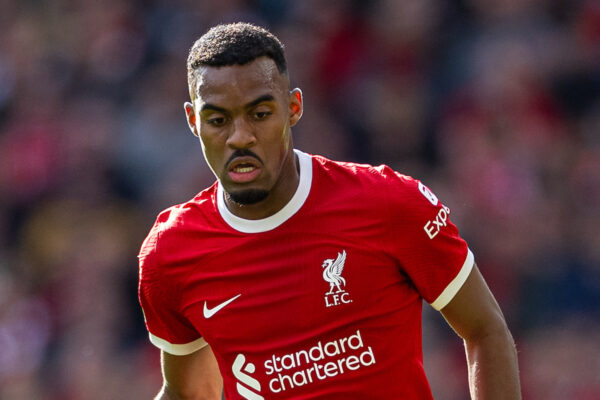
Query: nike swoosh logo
x=209 y=312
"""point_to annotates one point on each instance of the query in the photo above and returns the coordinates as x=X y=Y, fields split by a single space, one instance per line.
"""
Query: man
x=296 y=277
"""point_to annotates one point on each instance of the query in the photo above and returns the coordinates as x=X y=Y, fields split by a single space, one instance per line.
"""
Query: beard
x=248 y=197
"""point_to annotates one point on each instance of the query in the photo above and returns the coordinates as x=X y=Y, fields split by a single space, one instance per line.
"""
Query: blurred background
x=494 y=104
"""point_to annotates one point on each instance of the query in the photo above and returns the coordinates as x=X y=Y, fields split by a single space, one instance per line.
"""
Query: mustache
x=243 y=153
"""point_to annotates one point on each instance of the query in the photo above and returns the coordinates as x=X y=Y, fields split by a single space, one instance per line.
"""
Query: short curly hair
x=233 y=44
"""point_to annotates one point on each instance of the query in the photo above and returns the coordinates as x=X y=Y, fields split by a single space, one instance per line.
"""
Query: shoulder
x=173 y=224
x=398 y=195
x=380 y=178
x=357 y=172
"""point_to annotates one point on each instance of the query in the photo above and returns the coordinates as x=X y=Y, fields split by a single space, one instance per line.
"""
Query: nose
x=242 y=135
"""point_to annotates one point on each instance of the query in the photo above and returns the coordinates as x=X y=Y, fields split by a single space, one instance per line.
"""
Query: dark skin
x=248 y=107
x=232 y=113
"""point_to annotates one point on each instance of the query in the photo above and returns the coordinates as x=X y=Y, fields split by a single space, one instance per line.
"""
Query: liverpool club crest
x=332 y=274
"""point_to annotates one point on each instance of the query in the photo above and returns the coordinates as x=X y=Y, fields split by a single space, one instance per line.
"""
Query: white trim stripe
x=453 y=287
x=273 y=221
x=178 y=349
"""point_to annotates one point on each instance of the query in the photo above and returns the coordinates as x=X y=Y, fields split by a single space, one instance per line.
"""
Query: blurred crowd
x=494 y=104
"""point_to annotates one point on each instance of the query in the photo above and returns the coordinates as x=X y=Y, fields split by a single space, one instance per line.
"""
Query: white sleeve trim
x=178 y=349
x=453 y=287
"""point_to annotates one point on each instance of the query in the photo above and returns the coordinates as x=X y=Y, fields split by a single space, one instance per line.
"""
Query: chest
x=274 y=290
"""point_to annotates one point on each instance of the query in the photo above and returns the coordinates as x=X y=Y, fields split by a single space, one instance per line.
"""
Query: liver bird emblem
x=332 y=272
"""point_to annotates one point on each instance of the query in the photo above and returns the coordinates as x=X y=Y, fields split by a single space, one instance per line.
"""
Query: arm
x=195 y=376
x=491 y=355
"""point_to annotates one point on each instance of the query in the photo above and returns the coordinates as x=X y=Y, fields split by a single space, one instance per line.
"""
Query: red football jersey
x=321 y=300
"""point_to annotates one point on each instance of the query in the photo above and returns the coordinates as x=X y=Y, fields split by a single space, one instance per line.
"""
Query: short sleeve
x=168 y=328
x=427 y=244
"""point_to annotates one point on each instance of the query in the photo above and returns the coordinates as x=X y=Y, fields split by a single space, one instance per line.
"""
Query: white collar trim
x=273 y=221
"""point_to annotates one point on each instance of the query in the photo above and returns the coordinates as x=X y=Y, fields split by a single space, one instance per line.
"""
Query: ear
x=191 y=117
x=296 y=106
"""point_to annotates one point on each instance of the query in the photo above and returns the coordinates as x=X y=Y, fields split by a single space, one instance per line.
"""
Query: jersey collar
x=273 y=221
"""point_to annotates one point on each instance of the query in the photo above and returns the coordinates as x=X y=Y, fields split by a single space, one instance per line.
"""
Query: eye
x=261 y=113
x=216 y=121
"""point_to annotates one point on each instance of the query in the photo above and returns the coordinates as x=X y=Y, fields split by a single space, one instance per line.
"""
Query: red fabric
x=373 y=215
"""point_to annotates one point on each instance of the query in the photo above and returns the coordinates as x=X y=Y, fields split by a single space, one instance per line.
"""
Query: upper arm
x=194 y=376
x=473 y=312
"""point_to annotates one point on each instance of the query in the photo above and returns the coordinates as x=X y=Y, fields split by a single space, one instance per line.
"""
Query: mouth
x=243 y=169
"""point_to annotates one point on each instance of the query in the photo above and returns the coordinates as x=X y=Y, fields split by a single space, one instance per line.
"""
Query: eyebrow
x=208 y=106
x=258 y=100
x=261 y=99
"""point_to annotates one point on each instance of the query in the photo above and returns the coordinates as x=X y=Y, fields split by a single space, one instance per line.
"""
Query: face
x=242 y=115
